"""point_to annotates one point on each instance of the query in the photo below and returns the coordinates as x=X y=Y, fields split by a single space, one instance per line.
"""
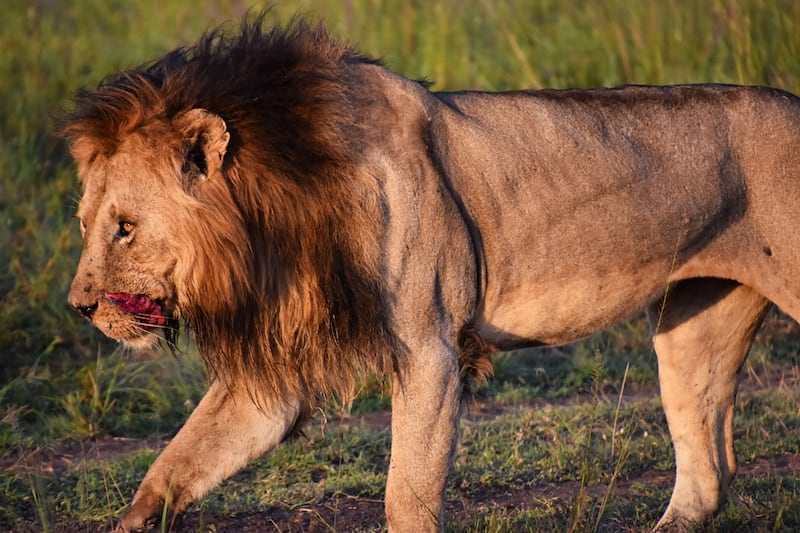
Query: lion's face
x=143 y=222
x=125 y=280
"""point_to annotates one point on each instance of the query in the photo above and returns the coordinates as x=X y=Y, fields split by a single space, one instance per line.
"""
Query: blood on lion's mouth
x=139 y=305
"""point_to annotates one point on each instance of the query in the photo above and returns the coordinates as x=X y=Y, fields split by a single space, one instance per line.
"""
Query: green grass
x=585 y=447
x=61 y=383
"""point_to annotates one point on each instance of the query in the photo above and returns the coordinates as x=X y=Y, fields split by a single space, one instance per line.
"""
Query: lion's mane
x=284 y=295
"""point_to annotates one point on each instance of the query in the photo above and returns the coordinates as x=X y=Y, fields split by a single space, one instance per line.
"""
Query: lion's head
x=136 y=214
x=234 y=203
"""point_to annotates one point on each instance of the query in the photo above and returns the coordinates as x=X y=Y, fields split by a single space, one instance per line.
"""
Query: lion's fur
x=283 y=290
x=314 y=217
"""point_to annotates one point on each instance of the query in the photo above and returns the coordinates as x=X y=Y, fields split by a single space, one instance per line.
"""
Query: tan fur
x=313 y=217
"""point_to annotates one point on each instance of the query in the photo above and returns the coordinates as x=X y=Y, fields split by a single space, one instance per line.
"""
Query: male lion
x=312 y=216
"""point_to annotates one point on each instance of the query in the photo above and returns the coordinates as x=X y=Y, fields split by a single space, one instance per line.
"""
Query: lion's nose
x=86 y=310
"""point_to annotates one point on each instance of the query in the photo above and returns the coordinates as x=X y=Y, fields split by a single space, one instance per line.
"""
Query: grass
x=61 y=383
x=523 y=469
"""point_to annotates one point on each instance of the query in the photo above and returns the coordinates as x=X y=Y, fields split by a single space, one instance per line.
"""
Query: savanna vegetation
x=567 y=438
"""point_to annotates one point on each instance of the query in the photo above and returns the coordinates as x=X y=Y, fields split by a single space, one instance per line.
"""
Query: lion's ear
x=206 y=138
x=84 y=150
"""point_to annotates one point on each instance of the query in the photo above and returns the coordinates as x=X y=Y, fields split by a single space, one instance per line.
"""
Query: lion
x=313 y=217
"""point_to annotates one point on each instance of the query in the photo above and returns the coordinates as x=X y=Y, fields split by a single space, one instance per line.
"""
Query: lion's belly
x=568 y=280
x=561 y=312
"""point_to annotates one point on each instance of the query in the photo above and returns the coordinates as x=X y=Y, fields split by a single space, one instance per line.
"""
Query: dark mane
x=272 y=84
x=305 y=317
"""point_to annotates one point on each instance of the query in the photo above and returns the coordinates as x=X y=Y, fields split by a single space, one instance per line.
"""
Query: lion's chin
x=142 y=342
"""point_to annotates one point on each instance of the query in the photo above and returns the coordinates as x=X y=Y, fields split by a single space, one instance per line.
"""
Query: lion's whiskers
x=142 y=326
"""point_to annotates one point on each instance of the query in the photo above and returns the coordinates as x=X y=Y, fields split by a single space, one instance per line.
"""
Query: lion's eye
x=125 y=228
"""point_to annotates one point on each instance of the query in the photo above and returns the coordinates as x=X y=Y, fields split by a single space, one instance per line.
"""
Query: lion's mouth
x=145 y=309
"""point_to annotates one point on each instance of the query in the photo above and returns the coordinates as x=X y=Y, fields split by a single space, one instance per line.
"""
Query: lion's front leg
x=224 y=433
x=426 y=401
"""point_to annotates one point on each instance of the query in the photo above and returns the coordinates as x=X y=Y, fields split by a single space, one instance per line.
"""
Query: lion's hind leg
x=702 y=333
